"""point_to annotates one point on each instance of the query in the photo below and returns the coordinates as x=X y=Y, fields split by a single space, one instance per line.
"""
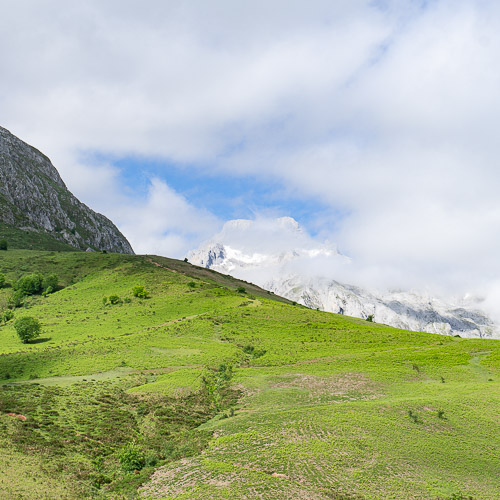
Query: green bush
x=16 y=299
x=141 y=292
x=191 y=284
x=2 y=280
x=114 y=299
x=50 y=282
x=215 y=383
x=27 y=328
x=254 y=353
x=131 y=457
x=241 y=289
x=29 y=284
x=3 y=244
x=36 y=283
x=7 y=315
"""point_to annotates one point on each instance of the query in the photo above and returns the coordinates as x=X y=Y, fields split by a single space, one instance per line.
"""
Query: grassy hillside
x=34 y=240
x=204 y=391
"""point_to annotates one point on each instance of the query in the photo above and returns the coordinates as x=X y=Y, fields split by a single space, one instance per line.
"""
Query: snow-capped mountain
x=279 y=256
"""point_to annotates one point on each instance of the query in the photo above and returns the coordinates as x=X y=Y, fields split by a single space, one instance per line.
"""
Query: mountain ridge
x=294 y=272
x=33 y=197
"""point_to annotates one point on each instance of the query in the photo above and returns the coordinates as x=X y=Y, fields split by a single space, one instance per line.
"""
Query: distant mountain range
x=278 y=256
x=35 y=201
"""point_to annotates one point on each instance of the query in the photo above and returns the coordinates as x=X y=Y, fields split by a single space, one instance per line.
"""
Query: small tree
x=3 y=244
x=28 y=328
x=141 y=292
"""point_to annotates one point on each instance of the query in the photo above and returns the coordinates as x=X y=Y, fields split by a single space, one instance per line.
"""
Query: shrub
x=36 y=283
x=50 y=282
x=141 y=292
x=7 y=315
x=29 y=284
x=191 y=284
x=16 y=299
x=3 y=244
x=370 y=318
x=241 y=289
x=215 y=383
x=27 y=328
x=2 y=280
x=254 y=353
x=131 y=457
x=114 y=299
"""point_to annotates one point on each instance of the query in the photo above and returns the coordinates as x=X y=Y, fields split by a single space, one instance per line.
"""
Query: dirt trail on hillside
x=157 y=264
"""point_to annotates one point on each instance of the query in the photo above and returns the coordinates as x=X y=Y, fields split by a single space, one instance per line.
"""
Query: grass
x=34 y=240
x=319 y=406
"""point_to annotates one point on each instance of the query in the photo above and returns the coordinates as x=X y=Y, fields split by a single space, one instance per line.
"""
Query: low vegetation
x=27 y=328
x=204 y=391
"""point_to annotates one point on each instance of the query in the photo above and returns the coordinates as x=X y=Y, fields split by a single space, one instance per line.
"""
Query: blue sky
x=226 y=196
x=374 y=124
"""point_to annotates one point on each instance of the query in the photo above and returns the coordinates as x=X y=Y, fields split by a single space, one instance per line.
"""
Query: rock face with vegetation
x=34 y=198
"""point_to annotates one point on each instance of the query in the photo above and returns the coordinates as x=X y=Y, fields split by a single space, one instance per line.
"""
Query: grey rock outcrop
x=34 y=197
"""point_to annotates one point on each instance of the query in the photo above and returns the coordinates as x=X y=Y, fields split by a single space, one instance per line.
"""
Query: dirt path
x=157 y=264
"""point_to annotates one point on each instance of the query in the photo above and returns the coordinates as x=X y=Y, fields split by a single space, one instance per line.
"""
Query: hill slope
x=33 y=198
x=317 y=405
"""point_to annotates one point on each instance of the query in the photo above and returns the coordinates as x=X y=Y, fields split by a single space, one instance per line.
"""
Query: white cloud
x=164 y=223
x=387 y=111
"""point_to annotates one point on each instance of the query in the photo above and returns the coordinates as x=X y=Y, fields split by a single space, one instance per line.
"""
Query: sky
x=373 y=123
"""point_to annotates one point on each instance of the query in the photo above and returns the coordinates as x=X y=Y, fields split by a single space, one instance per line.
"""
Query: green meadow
x=214 y=388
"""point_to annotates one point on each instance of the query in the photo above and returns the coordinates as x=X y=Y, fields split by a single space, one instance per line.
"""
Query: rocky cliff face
x=33 y=196
x=279 y=257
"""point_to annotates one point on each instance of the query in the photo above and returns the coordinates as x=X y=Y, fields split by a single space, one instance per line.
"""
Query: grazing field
x=214 y=388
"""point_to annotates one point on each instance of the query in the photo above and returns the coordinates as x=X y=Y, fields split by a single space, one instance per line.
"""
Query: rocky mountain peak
x=33 y=197
x=278 y=257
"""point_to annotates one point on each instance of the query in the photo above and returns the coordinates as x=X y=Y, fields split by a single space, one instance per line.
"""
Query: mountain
x=35 y=201
x=279 y=256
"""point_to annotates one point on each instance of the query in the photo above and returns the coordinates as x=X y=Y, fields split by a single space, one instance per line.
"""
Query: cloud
x=387 y=112
x=164 y=222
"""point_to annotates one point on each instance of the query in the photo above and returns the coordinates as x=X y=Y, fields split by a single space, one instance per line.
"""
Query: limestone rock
x=34 y=197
